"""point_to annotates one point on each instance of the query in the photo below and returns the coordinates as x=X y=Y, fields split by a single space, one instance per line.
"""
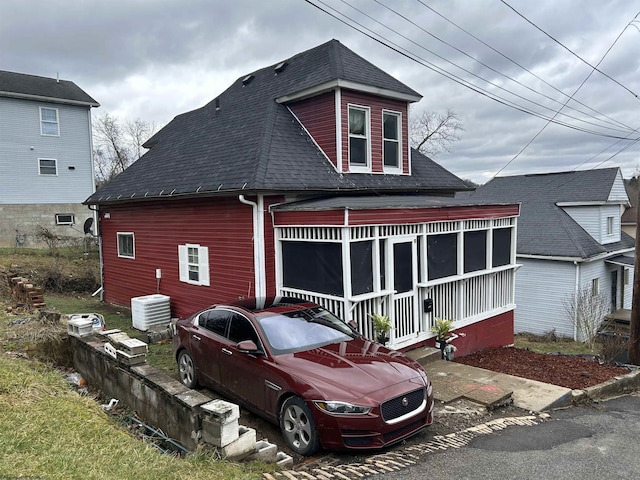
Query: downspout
x=258 y=245
x=575 y=301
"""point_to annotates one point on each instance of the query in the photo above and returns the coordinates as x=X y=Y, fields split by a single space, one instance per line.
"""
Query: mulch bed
x=564 y=370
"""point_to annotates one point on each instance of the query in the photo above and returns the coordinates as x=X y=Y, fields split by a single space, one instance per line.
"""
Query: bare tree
x=117 y=145
x=587 y=310
x=431 y=133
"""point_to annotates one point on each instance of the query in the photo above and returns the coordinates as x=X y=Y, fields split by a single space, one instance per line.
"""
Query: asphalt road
x=595 y=442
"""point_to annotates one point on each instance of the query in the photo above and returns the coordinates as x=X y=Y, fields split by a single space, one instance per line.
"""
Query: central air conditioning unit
x=150 y=311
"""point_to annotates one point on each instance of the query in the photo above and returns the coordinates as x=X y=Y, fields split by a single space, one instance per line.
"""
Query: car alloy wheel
x=298 y=427
x=187 y=370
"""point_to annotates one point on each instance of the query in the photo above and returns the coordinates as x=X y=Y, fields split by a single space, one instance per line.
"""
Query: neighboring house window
x=391 y=140
x=595 y=287
x=64 y=219
x=48 y=166
x=126 y=246
x=626 y=276
x=49 y=122
x=194 y=264
x=359 y=138
x=610 y=225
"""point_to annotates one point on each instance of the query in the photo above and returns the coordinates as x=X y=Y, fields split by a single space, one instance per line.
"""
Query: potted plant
x=381 y=325
x=442 y=329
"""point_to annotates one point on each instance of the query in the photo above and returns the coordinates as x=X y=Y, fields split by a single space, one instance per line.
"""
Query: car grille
x=402 y=432
x=394 y=408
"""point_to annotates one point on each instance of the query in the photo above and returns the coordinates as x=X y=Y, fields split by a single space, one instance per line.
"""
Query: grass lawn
x=552 y=344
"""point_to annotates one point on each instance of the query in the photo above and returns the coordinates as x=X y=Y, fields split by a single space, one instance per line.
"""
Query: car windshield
x=300 y=330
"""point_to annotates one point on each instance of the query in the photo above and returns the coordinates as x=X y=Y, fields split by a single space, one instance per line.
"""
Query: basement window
x=64 y=219
x=193 y=262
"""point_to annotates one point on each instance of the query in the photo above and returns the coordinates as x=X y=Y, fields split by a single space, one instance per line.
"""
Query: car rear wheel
x=187 y=370
x=298 y=427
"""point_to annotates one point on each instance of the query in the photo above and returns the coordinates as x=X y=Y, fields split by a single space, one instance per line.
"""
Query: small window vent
x=247 y=80
x=280 y=67
x=64 y=219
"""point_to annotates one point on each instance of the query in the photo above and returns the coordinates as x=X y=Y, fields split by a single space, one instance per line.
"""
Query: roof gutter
x=258 y=245
x=41 y=98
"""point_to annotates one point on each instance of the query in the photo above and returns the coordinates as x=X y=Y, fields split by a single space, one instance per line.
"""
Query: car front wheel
x=187 y=370
x=298 y=427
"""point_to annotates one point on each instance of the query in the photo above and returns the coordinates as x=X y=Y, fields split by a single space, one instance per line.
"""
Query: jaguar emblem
x=405 y=402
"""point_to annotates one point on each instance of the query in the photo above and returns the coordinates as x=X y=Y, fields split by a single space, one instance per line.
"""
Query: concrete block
x=80 y=327
x=265 y=452
x=244 y=445
x=284 y=460
x=133 y=346
x=225 y=412
x=128 y=359
x=219 y=434
x=117 y=338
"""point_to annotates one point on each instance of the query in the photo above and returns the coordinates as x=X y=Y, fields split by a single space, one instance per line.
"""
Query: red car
x=299 y=366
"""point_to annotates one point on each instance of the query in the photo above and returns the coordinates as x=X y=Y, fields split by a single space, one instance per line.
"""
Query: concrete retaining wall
x=157 y=398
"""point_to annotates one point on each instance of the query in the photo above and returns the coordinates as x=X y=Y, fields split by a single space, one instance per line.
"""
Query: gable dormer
x=359 y=131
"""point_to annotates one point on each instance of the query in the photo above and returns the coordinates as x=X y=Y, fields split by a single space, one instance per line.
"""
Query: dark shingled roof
x=246 y=141
x=32 y=87
x=546 y=229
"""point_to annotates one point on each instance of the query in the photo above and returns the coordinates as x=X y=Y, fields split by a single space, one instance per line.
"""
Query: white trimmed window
x=391 y=146
x=48 y=166
x=610 y=221
x=194 y=264
x=126 y=245
x=359 y=140
x=49 y=125
x=595 y=287
x=64 y=219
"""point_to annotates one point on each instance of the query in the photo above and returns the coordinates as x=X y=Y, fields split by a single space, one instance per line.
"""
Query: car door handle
x=196 y=337
x=228 y=352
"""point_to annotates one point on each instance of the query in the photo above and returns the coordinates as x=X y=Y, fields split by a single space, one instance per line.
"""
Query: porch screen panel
x=501 y=254
x=475 y=251
x=313 y=266
x=402 y=267
x=361 y=267
x=442 y=257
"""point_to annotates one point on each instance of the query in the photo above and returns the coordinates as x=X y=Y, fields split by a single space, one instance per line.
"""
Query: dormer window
x=391 y=149
x=359 y=139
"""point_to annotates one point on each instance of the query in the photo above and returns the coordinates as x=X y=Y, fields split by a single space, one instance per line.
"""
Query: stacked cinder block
x=120 y=346
x=220 y=428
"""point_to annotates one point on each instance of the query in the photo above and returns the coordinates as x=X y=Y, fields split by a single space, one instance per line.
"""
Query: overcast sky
x=155 y=59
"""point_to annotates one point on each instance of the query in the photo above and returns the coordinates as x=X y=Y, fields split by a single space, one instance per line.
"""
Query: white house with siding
x=569 y=238
x=46 y=163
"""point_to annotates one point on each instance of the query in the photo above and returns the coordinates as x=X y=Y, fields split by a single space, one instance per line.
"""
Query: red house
x=299 y=180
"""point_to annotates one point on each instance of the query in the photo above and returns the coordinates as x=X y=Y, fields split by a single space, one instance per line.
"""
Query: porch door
x=403 y=273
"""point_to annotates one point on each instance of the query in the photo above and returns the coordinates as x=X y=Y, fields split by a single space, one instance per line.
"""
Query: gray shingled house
x=299 y=180
x=46 y=159
x=569 y=238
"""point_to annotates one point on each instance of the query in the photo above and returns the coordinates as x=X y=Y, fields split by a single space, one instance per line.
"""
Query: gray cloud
x=155 y=60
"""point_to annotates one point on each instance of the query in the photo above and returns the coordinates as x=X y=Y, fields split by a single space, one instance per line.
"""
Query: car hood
x=351 y=370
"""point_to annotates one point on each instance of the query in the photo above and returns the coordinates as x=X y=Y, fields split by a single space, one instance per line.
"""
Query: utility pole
x=634 y=327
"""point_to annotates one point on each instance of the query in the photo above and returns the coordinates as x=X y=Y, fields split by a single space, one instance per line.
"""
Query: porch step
x=424 y=355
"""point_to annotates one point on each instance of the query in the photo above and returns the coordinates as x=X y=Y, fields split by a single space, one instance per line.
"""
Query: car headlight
x=342 y=408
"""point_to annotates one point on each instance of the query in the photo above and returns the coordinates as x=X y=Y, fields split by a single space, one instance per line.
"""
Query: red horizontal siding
x=377 y=105
x=394 y=216
x=225 y=226
x=318 y=115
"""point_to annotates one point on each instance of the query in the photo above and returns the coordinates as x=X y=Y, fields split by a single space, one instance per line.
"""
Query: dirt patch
x=570 y=371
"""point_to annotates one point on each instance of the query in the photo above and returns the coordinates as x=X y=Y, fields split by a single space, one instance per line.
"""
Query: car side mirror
x=248 y=346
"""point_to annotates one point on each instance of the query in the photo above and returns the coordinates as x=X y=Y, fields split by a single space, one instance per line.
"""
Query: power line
x=518 y=64
x=571 y=51
x=396 y=48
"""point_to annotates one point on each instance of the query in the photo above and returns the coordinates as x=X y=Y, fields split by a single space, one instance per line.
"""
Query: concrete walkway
x=452 y=381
